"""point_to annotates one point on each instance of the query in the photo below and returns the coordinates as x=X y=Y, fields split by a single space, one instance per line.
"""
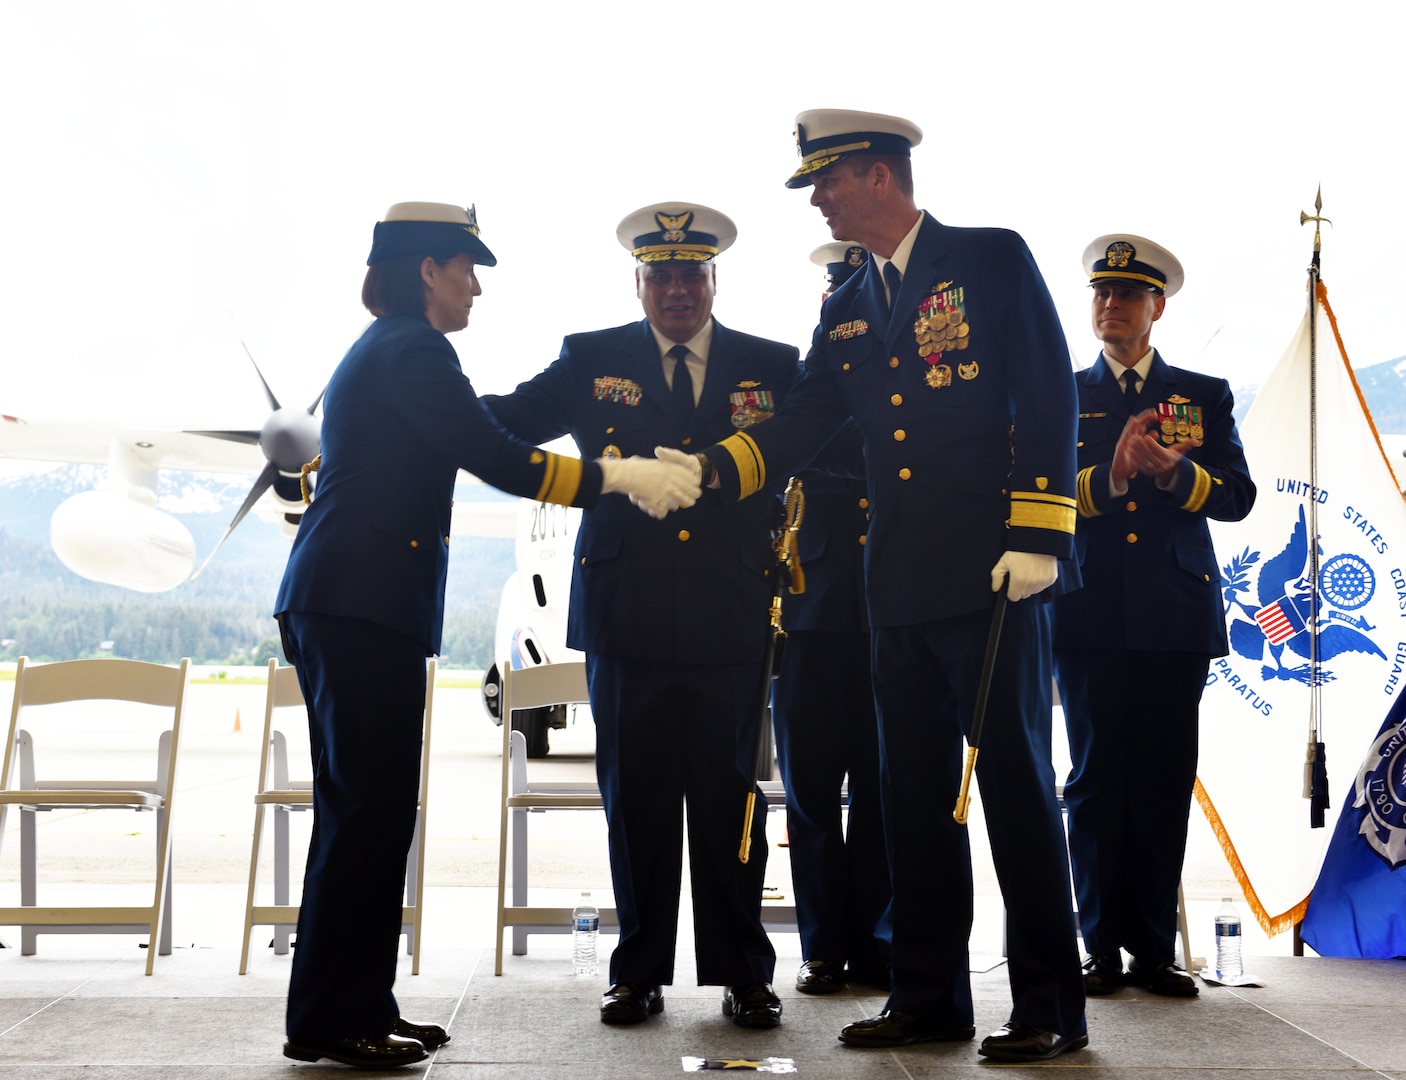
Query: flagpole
x=1315 y=770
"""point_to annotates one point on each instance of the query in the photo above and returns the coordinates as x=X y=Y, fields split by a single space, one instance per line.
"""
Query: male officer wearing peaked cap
x=947 y=352
x=672 y=615
x=1158 y=457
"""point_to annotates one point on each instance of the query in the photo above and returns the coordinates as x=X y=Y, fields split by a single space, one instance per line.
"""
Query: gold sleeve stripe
x=1084 y=487
x=1200 y=490
x=747 y=456
x=561 y=480
x=1036 y=510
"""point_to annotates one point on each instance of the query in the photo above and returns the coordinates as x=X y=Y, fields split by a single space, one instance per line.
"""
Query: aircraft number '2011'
x=549 y=521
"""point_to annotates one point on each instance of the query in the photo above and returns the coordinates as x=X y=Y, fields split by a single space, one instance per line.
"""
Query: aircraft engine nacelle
x=122 y=539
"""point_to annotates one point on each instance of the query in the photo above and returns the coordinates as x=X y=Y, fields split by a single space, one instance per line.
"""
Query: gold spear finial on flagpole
x=1316 y=218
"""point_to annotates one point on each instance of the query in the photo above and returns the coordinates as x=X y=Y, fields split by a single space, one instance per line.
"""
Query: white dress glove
x=668 y=453
x=1029 y=573
x=656 y=487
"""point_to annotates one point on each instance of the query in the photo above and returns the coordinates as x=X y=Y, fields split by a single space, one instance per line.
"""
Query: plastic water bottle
x=585 y=924
x=1228 y=963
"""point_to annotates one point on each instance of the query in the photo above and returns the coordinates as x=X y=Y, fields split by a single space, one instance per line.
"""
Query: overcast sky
x=182 y=176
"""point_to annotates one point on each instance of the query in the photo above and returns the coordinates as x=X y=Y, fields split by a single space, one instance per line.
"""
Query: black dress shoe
x=624 y=1003
x=1102 y=974
x=432 y=1035
x=752 y=1006
x=388 y=1052
x=1163 y=978
x=820 y=977
x=1021 y=1042
x=894 y=1028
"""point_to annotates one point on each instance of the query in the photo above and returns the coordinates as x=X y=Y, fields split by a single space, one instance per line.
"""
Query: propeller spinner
x=289 y=439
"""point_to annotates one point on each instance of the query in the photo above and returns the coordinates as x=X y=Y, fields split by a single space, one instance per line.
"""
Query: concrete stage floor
x=82 y=1007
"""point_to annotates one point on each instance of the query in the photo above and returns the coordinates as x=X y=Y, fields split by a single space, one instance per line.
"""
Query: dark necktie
x=894 y=280
x=1130 y=387
x=683 y=385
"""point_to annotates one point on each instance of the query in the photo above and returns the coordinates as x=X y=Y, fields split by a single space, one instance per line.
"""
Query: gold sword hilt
x=786 y=553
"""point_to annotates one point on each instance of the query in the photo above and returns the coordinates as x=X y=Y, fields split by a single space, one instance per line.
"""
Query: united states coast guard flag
x=1255 y=714
x=1358 y=906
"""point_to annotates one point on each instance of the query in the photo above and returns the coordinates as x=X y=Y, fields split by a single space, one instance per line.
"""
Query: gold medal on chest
x=938 y=376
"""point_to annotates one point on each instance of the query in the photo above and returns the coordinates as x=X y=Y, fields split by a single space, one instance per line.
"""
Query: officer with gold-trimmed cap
x=947 y=352
x=825 y=136
x=672 y=615
x=676 y=232
x=1123 y=257
x=1158 y=456
x=361 y=605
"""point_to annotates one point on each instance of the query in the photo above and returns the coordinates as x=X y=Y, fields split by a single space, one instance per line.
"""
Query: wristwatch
x=707 y=471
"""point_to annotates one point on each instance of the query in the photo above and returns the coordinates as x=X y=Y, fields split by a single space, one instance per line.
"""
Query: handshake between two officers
x=673 y=480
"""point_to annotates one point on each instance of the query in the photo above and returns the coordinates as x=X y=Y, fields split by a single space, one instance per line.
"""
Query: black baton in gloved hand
x=993 y=639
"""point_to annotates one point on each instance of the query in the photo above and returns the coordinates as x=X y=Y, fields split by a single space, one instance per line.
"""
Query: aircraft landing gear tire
x=534 y=725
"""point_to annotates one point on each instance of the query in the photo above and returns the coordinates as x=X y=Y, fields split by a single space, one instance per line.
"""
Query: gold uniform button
x=864 y=504
x=897 y=399
x=414 y=543
x=1132 y=538
x=863 y=540
x=446 y=541
x=904 y=474
x=610 y=431
x=900 y=435
x=583 y=560
x=684 y=534
x=893 y=361
x=1207 y=577
x=1079 y=443
x=688 y=440
x=1131 y=505
x=846 y=367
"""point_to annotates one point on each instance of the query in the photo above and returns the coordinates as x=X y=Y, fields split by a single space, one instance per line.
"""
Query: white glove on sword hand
x=1029 y=573
x=656 y=487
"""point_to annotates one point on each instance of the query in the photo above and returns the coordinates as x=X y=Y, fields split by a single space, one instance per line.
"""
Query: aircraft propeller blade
x=263 y=483
x=273 y=401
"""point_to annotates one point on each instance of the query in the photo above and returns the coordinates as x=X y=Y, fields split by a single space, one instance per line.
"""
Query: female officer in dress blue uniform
x=362 y=605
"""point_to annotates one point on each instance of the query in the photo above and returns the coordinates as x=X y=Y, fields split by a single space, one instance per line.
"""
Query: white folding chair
x=280 y=792
x=535 y=688
x=75 y=708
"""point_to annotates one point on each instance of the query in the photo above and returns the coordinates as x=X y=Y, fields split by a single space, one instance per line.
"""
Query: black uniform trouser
x=670 y=736
x=365 y=692
x=826 y=728
x=1132 y=720
x=925 y=680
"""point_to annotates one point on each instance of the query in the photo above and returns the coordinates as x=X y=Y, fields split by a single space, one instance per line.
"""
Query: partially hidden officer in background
x=672 y=615
x=964 y=394
x=826 y=728
x=1159 y=456
x=362 y=604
